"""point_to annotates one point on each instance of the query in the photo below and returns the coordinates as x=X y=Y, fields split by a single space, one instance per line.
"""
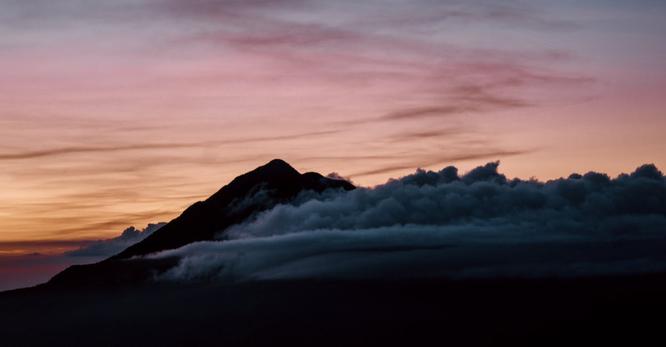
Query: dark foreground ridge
x=258 y=190
x=619 y=311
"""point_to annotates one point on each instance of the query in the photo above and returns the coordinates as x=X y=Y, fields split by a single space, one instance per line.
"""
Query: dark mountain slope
x=274 y=183
x=257 y=190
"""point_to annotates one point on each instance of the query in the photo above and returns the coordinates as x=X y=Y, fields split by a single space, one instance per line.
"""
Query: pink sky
x=123 y=113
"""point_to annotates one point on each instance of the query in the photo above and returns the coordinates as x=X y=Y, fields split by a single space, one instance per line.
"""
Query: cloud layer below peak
x=442 y=224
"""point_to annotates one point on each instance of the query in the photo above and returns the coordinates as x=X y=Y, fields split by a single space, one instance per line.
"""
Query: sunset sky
x=118 y=113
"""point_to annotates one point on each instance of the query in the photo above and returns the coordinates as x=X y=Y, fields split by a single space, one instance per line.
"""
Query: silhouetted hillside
x=258 y=190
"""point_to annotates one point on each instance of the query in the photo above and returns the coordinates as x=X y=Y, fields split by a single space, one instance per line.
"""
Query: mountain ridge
x=260 y=189
x=277 y=178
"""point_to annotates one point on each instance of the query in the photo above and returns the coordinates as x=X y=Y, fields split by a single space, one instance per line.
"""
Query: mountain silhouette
x=260 y=189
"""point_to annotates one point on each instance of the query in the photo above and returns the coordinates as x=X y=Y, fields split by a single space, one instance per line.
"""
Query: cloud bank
x=442 y=224
x=105 y=248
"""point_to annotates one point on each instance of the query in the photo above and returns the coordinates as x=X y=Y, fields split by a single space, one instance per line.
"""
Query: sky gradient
x=125 y=112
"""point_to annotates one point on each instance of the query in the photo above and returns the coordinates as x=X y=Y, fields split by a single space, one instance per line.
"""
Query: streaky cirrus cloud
x=511 y=77
x=146 y=146
x=415 y=161
x=442 y=224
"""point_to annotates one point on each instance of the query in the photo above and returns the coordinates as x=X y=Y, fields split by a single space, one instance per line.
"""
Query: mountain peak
x=278 y=165
x=276 y=171
x=277 y=162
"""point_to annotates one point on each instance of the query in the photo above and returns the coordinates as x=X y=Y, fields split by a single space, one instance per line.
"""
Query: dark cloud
x=215 y=8
x=412 y=14
x=107 y=248
x=461 y=98
x=497 y=93
x=471 y=103
x=88 y=224
x=427 y=134
x=427 y=111
x=91 y=149
x=352 y=157
x=484 y=98
x=455 y=12
x=283 y=35
x=480 y=224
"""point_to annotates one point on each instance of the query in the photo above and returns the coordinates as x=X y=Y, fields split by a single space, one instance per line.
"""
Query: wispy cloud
x=149 y=146
x=173 y=98
x=426 y=112
x=92 y=149
x=438 y=160
x=428 y=134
